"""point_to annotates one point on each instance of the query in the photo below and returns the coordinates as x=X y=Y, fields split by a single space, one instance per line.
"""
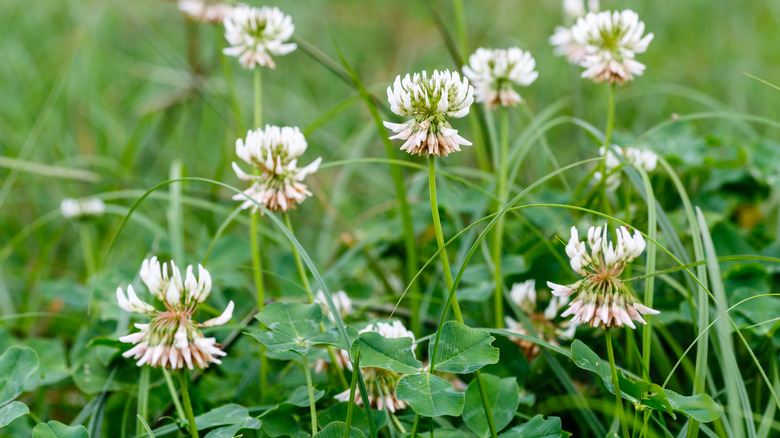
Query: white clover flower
x=82 y=208
x=257 y=33
x=340 y=299
x=575 y=9
x=429 y=100
x=396 y=329
x=172 y=339
x=277 y=182
x=206 y=11
x=611 y=40
x=494 y=72
x=645 y=159
x=602 y=298
x=524 y=295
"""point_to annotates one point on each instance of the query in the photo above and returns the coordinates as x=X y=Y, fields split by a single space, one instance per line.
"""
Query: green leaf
x=291 y=326
x=277 y=423
x=16 y=366
x=227 y=414
x=11 y=412
x=55 y=429
x=51 y=356
x=462 y=349
x=503 y=398
x=700 y=407
x=333 y=337
x=394 y=354
x=639 y=392
x=337 y=429
x=338 y=412
x=430 y=395
x=300 y=397
x=536 y=427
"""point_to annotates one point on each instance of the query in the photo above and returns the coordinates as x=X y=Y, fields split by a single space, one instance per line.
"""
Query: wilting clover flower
x=172 y=339
x=380 y=383
x=207 y=11
x=611 y=40
x=340 y=299
x=257 y=33
x=602 y=298
x=82 y=208
x=524 y=296
x=429 y=100
x=494 y=73
x=642 y=158
x=277 y=180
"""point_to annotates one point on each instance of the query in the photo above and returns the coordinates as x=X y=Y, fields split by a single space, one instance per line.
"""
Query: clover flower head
x=429 y=100
x=82 y=208
x=642 y=158
x=172 y=339
x=602 y=299
x=255 y=34
x=277 y=182
x=575 y=9
x=206 y=11
x=611 y=40
x=494 y=72
x=524 y=296
x=340 y=299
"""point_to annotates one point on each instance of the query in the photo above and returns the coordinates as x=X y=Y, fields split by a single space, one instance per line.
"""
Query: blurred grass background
x=103 y=92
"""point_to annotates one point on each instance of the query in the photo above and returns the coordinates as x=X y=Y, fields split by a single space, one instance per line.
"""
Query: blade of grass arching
x=765 y=82
x=49 y=171
x=546 y=113
x=145 y=426
x=40 y=122
x=702 y=320
x=338 y=321
x=175 y=214
x=736 y=395
x=398 y=183
x=647 y=329
x=707 y=115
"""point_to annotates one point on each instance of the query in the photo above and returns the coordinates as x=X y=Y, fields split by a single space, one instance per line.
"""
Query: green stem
x=616 y=384
x=86 y=246
x=310 y=296
x=257 y=271
x=607 y=143
x=142 y=408
x=174 y=395
x=460 y=25
x=352 y=386
x=450 y=286
x=310 y=387
x=299 y=263
x=498 y=235
x=185 y=395
x=415 y=425
x=258 y=98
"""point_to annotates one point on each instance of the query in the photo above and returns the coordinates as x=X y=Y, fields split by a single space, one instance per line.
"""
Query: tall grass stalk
x=310 y=389
x=445 y=263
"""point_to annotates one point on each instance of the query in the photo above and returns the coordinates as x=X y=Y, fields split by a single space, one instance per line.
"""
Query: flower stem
x=616 y=384
x=448 y=278
x=142 y=408
x=607 y=144
x=258 y=98
x=415 y=425
x=185 y=395
x=310 y=387
x=498 y=234
x=257 y=270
